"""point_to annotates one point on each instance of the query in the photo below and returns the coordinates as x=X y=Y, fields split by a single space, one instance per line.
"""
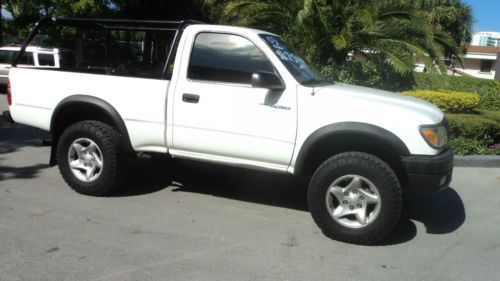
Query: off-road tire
x=371 y=168
x=109 y=142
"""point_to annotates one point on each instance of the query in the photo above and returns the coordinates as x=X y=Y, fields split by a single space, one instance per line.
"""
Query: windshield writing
x=298 y=67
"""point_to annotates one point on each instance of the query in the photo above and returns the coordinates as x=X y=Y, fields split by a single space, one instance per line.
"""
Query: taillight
x=9 y=94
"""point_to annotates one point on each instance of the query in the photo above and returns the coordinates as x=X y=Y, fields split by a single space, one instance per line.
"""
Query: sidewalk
x=485 y=161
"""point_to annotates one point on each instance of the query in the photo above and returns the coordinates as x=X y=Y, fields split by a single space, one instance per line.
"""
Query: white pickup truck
x=234 y=96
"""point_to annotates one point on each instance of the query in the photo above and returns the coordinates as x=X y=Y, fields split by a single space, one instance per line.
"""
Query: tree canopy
x=396 y=33
x=335 y=35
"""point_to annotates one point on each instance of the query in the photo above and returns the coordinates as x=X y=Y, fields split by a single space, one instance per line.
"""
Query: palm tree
x=452 y=25
x=396 y=32
x=449 y=16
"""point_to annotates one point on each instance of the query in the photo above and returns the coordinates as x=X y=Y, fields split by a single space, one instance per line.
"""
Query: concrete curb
x=484 y=161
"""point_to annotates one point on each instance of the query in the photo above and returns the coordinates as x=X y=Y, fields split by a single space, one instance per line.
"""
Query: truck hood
x=372 y=104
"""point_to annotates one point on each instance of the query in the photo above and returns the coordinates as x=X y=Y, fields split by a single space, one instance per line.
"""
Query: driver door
x=219 y=115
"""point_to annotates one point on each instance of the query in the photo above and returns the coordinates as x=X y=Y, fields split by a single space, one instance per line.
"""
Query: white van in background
x=34 y=56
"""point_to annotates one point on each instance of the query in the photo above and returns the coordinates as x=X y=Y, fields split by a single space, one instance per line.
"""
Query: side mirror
x=267 y=80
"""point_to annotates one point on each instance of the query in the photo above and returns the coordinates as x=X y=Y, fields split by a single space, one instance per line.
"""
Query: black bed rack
x=113 y=24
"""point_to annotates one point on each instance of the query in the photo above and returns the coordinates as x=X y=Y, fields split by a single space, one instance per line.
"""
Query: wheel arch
x=350 y=136
x=78 y=108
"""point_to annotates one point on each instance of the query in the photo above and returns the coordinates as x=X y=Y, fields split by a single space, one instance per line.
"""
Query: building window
x=486 y=66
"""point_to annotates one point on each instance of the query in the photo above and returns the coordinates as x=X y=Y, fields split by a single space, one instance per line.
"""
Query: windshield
x=301 y=70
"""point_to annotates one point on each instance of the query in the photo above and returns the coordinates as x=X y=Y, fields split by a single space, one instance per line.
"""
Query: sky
x=5 y=14
x=486 y=14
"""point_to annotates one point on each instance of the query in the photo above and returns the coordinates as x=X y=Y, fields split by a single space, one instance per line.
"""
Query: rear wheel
x=89 y=155
x=355 y=197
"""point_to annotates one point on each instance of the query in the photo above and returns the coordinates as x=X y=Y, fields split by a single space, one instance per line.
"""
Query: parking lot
x=182 y=220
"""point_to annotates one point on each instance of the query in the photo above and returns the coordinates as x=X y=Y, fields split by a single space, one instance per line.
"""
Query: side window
x=226 y=58
x=6 y=56
x=26 y=59
x=46 y=59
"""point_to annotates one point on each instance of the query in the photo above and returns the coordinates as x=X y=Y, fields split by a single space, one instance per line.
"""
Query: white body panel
x=234 y=121
x=140 y=102
x=398 y=114
x=232 y=124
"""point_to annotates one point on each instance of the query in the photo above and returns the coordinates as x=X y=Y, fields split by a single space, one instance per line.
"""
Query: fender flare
x=343 y=130
x=90 y=103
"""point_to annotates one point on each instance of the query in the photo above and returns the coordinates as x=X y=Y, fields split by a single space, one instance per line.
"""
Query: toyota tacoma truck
x=235 y=96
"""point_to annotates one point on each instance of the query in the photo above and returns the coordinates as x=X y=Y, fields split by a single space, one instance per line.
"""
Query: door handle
x=190 y=98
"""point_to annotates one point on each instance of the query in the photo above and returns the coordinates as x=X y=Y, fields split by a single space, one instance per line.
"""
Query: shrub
x=466 y=146
x=451 y=102
x=473 y=127
x=489 y=90
x=493 y=115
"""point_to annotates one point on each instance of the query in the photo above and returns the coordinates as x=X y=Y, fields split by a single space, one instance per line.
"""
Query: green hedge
x=472 y=134
x=450 y=102
x=493 y=115
x=489 y=90
x=473 y=126
x=466 y=146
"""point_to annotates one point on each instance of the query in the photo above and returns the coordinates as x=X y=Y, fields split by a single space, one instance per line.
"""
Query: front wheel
x=355 y=197
x=89 y=155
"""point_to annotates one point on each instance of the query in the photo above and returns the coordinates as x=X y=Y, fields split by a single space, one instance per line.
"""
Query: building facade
x=482 y=59
x=490 y=39
x=480 y=62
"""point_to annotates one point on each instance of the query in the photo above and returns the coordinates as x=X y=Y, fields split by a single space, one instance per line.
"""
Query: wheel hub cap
x=353 y=201
x=85 y=160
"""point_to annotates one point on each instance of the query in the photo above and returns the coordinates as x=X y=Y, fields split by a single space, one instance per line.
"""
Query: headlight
x=435 y=136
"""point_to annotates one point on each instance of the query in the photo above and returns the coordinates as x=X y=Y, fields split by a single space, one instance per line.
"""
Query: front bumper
x=429 y=173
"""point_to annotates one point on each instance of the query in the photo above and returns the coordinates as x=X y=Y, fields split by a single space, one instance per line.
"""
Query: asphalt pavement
x=182 y=220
